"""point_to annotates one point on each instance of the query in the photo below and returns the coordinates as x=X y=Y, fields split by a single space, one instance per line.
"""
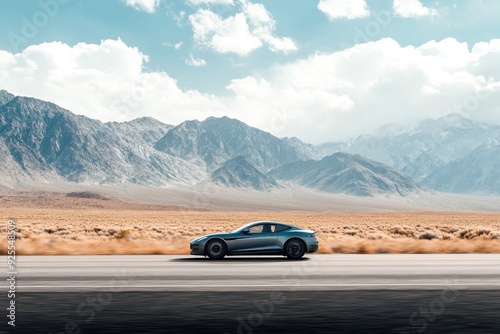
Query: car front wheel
x=295 y=249
x=216 y=249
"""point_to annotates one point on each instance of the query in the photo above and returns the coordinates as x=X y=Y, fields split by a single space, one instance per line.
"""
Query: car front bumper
x=197 y=248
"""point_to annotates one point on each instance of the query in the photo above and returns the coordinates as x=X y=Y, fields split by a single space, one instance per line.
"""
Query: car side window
x=256 y=228
x=281 y=228
x=263 y=228
x=268 y=228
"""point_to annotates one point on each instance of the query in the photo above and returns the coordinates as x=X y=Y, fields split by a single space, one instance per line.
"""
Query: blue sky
x=249 y=59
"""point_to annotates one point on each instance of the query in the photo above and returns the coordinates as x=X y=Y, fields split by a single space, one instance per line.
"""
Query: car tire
x=216 y=249
x=294 y=249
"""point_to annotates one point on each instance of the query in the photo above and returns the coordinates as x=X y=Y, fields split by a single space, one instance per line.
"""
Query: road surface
x=322 y=293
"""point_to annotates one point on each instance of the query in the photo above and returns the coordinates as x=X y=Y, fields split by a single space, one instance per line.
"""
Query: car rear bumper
x=312 y=248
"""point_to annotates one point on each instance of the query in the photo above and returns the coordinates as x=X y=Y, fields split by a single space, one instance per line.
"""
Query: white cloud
x=412 y=9
x=210 y=2
x=342 y=9
x=242 y=33
x=224 y=36
x=323 y=97
x=148 y=6
x=192 y=61
x=263 y=26
x=176 y=46
x=342 y=94
x=104 y=81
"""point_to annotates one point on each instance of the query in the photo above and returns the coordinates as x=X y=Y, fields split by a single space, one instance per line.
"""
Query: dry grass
x=105 y=227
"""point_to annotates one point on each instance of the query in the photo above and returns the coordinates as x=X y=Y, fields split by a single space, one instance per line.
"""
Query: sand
x=57 y=224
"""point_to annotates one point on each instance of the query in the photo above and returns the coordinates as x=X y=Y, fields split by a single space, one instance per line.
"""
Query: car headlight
x=312 y=235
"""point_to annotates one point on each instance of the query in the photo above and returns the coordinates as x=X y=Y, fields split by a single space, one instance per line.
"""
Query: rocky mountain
x=426 y=149
x=349 y=174
x=214 y=141
x=5 y=97
x=478 y=172
x=143 y=131
x=239 y=173
x=43 y=140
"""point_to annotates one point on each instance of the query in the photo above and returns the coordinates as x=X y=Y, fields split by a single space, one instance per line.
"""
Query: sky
x=319 y=70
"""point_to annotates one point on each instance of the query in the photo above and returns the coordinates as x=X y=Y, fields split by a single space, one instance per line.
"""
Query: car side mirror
x=246 y=231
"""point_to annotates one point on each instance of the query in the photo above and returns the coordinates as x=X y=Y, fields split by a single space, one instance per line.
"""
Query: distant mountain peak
x=143 y=130
x=239 y=173
x=141 y=121
x=456 y=120
x=145 y=120
x=191 y=124
x=34 y=105
x=226 y=123
x=5 y=97
x=449 y=121
x=476 y=173
x=222 y=119
x=214 y=141
x=453 y=117
x=339 y=155
x=349 y=174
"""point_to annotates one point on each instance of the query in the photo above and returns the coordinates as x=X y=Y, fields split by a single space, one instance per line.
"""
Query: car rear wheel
x=216 y=249
x=295 y=249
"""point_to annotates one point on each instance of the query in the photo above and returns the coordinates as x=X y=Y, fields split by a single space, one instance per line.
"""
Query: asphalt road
x=322 y=294
x=315 y=272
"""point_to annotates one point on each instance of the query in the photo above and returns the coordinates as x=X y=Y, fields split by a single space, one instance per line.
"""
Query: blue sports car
x=258 y=238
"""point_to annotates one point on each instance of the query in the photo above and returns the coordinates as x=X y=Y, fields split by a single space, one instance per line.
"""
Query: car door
x=260 y=239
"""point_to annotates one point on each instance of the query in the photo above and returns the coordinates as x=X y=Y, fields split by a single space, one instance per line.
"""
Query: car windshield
x=239 y=229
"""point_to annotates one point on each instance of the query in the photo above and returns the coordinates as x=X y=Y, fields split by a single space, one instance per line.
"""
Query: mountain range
x=450 y=154
x=349 y=174
x=44 y=143
x=41 y=142
x=476 y=172
x=212 y=142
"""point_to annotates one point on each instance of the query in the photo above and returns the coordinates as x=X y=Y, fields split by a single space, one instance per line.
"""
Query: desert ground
x=87 y=223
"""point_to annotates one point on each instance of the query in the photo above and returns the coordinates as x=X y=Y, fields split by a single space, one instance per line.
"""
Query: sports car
x=257 y=238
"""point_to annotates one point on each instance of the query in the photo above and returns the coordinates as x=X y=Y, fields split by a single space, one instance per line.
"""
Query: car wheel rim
x=294 y=248
x=215 y=249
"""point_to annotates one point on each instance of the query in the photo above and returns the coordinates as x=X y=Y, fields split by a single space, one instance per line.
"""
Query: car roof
x=267 y=222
